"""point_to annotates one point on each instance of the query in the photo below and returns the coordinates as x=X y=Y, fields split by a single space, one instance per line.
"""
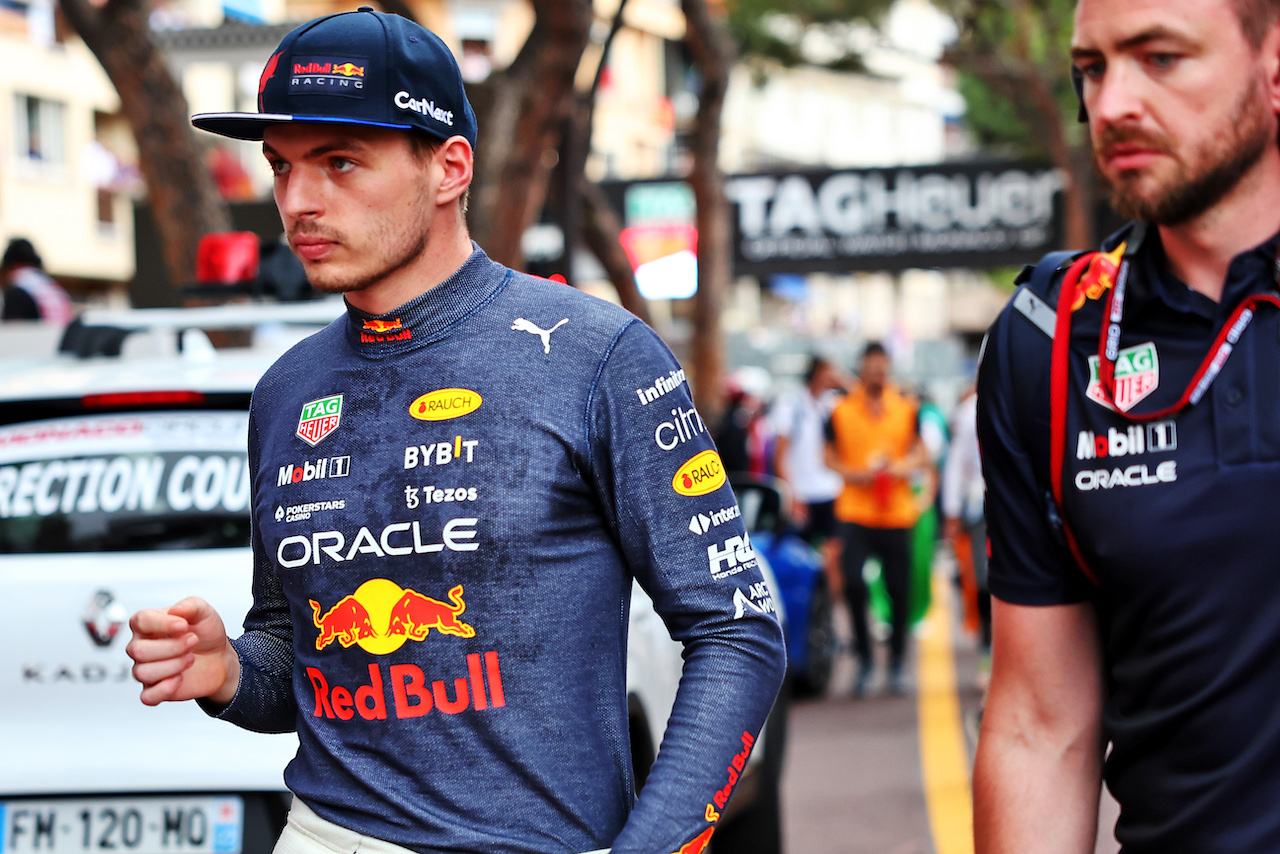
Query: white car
x=124 y=485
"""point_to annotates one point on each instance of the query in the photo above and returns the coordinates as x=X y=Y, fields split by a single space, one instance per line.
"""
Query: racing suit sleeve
x=264 y=700
x=655 y=468
x=1029 y=561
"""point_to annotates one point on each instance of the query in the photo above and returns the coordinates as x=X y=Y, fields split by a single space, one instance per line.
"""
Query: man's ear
x=455 y=160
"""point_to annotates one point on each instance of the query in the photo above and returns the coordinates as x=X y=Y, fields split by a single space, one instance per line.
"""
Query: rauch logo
x=445 y=404
x=700 y=475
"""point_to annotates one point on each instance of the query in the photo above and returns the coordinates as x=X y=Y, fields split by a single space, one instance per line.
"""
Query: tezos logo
x=319 y=418
x=702 y=474
x=445 y=403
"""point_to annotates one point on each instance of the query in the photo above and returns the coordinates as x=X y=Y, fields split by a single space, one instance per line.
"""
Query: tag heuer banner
x=884 y=219
x=977 y=214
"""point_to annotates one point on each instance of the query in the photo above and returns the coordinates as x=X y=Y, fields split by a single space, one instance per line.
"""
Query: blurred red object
x=227 y=258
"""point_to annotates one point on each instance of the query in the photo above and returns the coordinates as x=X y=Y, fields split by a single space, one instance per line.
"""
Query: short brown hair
x=1256 y=17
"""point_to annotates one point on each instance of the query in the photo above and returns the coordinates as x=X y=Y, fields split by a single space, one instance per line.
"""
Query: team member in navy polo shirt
x=1129 y=415
x=453 y=488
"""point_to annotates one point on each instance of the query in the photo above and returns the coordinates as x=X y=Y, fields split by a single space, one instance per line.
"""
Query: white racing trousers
x=308 y=833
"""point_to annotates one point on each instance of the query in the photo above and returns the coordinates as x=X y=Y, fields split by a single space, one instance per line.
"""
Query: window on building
x=38 y=124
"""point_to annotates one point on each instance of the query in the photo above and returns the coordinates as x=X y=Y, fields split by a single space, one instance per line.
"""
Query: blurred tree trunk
x=521 y=112
x=712 y=51
x=587 y=216
x=601 y=231
x=1019 y=50
x=183 y=198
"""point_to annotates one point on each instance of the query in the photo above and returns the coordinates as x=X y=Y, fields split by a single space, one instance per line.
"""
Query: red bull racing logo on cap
x=326 y=75
x=380 y=616
x=319 y=418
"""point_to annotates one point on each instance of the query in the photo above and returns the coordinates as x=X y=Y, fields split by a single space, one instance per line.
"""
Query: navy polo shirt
x=1177 y=519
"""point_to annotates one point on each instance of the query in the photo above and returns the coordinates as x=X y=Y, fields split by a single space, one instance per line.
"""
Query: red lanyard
x=1221 y=349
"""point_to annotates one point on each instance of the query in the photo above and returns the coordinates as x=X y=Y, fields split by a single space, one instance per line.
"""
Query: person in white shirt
x=798 y=421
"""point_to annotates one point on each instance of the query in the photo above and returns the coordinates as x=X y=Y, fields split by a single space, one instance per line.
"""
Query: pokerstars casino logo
x=1137 y=375
x=319 y=418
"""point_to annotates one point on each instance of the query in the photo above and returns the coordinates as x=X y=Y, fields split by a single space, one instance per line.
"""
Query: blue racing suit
x=450 y=502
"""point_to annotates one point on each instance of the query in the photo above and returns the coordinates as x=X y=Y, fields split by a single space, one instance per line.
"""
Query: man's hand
x=182 y=653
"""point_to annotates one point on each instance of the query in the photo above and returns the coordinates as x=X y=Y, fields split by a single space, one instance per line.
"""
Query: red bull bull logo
x=382 y=325
x=698 y=844
x=380 y=616
x=349 y=69
x=1100 y=276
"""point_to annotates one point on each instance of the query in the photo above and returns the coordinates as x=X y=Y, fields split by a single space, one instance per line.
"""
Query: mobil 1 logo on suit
x=1156 y=437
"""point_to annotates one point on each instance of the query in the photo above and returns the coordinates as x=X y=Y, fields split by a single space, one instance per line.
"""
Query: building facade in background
x=65 y=180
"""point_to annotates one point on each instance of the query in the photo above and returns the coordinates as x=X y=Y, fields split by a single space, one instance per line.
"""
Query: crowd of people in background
x=870 y=471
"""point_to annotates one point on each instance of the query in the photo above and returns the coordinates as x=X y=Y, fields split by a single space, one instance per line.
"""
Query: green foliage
x=1002 y=45
x=994 y=120
x=774 y=29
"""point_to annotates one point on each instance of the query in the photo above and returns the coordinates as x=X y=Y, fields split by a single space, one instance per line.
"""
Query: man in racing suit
x=453 y=487
x=1129 y=415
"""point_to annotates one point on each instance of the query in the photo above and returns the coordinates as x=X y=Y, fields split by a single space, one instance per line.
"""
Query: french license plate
x=144 y=825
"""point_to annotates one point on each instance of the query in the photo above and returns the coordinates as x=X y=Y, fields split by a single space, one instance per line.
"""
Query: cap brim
x=252 y=126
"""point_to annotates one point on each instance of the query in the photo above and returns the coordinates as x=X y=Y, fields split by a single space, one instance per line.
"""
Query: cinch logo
x=1155 y=438
x=299 y=550
x=426 y=108
x=380 y=616
x=325 y=467
x=661 y=386
x=683 y=426
x=319 y=418
x=700 y=475
x=735 y=556
x=445 y=404
x=1139 y=475
x=410 y=695
x=1137 y=375
x=440 y=453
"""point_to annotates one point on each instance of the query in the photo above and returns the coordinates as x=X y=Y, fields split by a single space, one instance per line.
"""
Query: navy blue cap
x=364 y=68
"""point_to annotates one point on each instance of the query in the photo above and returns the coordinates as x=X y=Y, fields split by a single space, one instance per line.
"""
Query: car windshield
x=125 y=482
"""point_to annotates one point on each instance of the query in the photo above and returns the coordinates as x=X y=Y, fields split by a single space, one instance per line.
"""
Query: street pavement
x=854 y=781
